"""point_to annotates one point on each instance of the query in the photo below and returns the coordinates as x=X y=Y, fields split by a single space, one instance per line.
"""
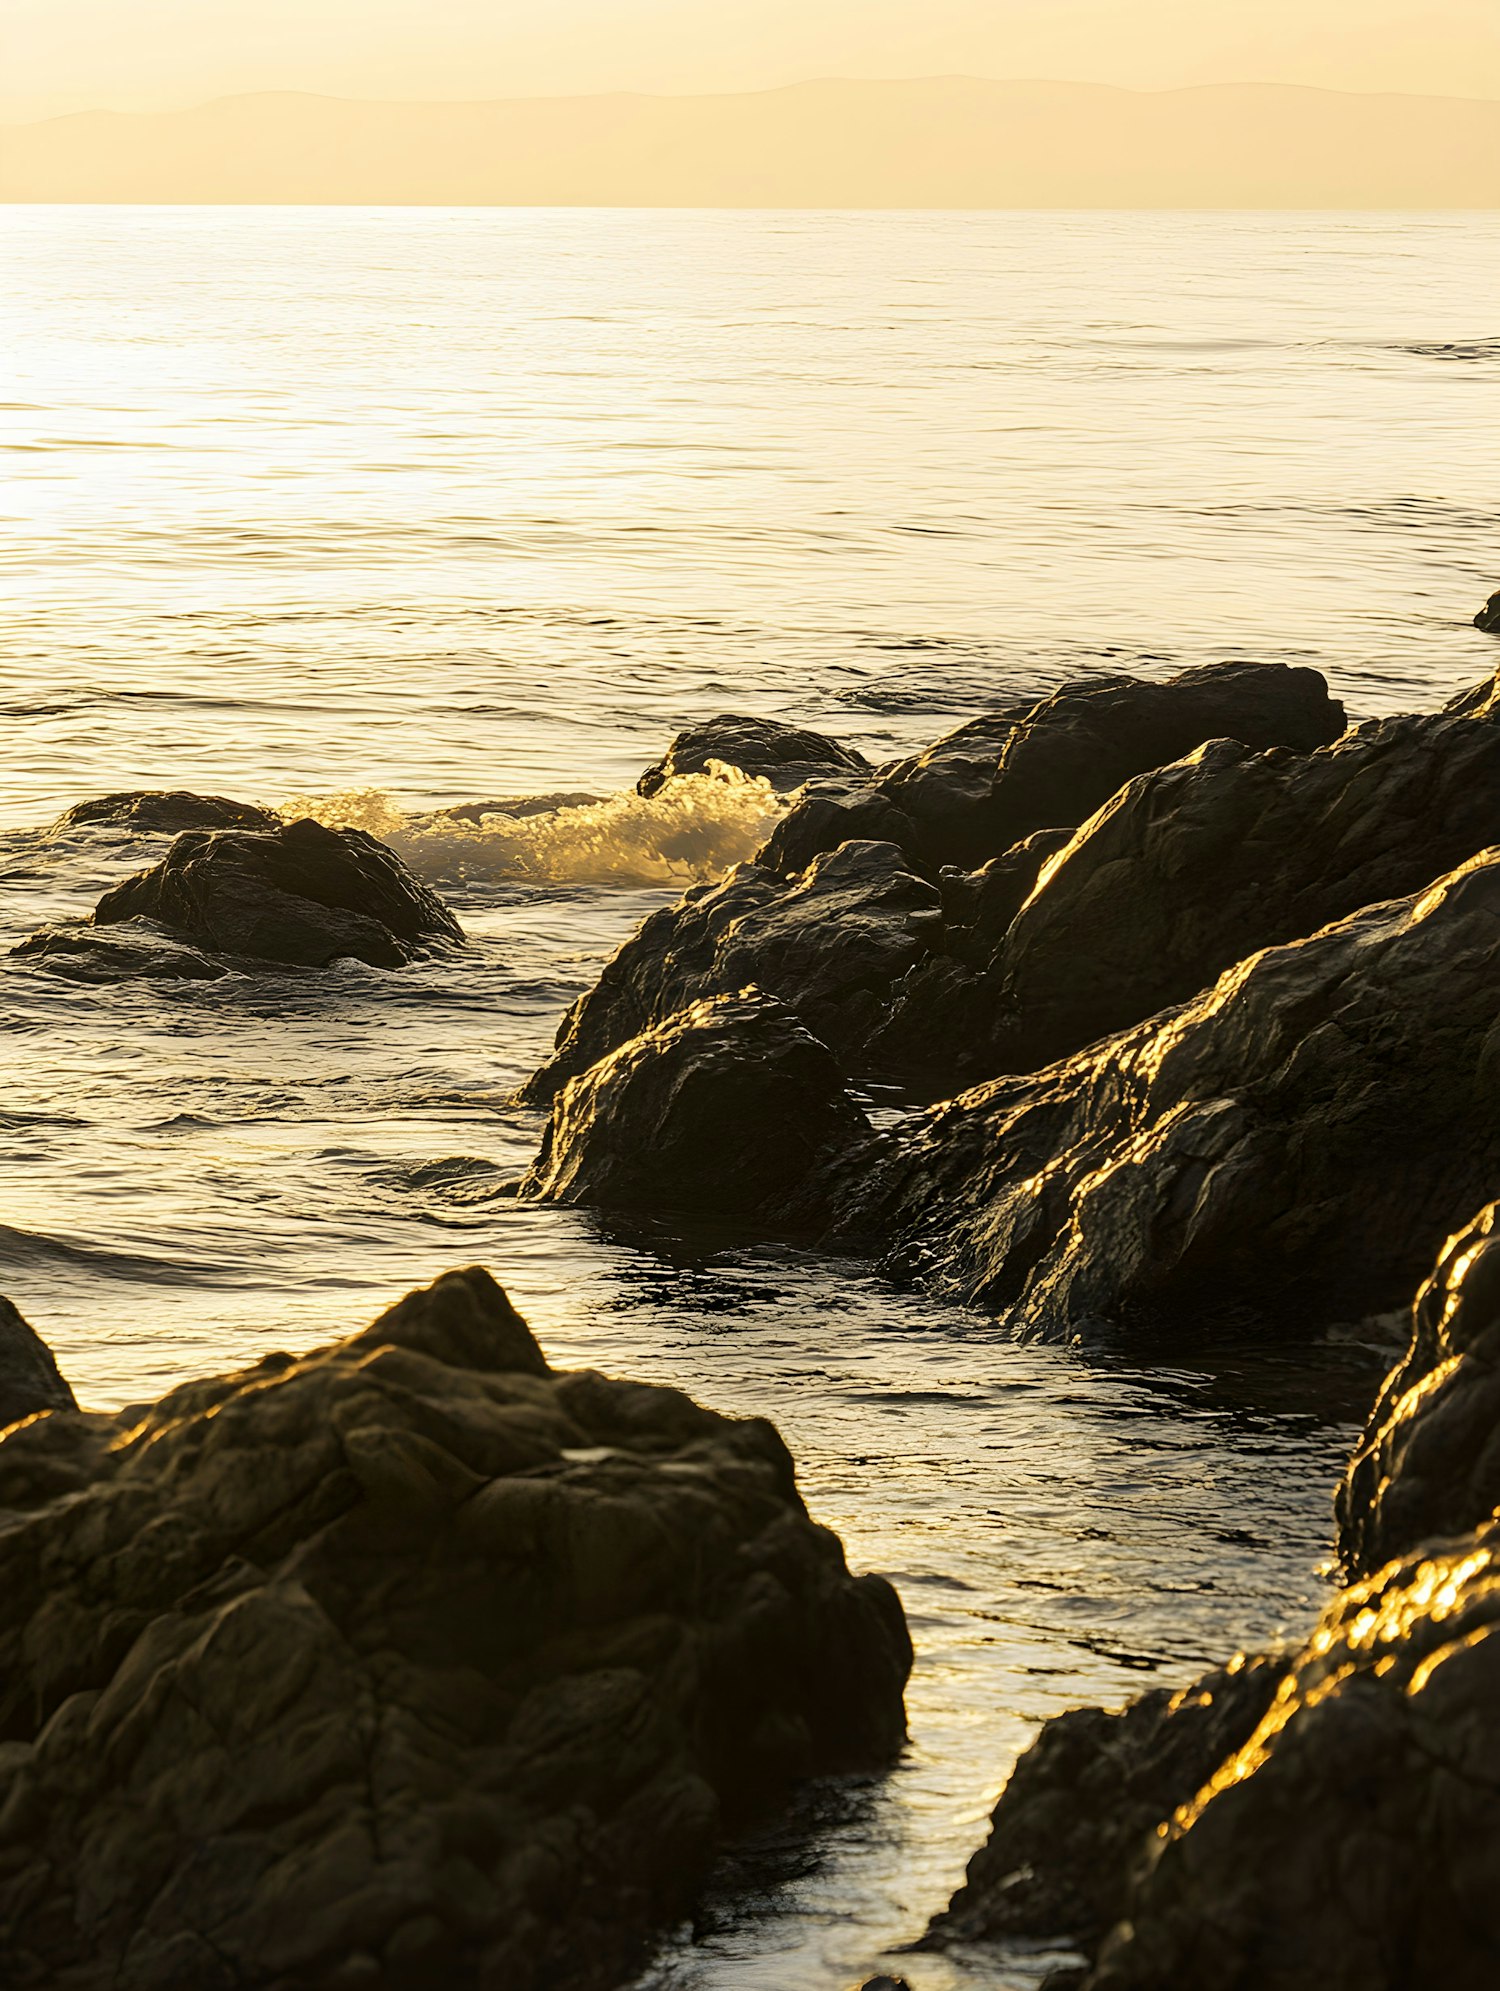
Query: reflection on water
x=443 y=507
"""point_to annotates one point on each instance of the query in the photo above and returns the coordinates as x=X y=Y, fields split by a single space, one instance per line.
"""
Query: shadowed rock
x=1192 y=867
x=1429 y=1463
x=1297 y=1141
x=30 y=1380
x=304 y=894
x=409 y=1663
x=170 y=810
x=724 y=1108
x=1488 y=618
x=786 y=756
x=827 y=946
x=137 y=950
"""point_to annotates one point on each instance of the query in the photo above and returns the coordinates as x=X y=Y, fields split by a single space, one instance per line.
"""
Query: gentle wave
x=694 y=828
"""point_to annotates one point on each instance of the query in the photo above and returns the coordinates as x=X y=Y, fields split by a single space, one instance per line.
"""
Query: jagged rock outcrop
x=786 y=756
x=828 y=946
x=1189 y=869
x=1488 y=618
x=1075 y=1821
x=999 y=779
x=30 y=1380
x=725 y=1108
x=169 y=810
x=303 y=894
x=1429 y=1463
x=136 y=950
x=1295 y=1143
x=408 y=1663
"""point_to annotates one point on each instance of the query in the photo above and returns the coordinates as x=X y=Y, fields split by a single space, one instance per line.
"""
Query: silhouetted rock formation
x=1298 y=1140
x=29 y=1377
x=1429 y=1464
x=1488 y=618
x=727 y=1107
x=135 y=950
x=786 y=756
x=171 y=810
x=408 y=1663
x=827 y=946
x=1191 y=868
x=304 y=894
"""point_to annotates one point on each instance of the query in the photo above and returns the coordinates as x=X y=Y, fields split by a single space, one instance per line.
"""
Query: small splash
x=694 y=828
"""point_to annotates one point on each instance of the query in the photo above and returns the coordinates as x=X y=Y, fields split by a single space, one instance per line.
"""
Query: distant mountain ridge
x=941 y=142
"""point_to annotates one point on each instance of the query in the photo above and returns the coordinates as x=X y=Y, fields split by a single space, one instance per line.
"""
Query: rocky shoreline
x=1204 y=985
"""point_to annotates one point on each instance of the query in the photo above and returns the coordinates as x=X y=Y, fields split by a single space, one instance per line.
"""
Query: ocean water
x=387 y=511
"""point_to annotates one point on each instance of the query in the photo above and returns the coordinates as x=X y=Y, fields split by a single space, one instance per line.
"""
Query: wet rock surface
x=30 y=1380
x=1293 y=1145
x=768 y=750
x=828 y=946
x=135 y=950
x=1488 y=618
x=165 y=810
x=722 y=1109
x=411 y=1662
x=1429 y=1463
x=304 y=895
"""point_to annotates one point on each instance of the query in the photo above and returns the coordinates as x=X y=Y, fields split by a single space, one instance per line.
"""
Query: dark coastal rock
x=1429 y=1463
x=165 y=810
x=30 y=1380
x=786 y=756
x=1488 y=618
x=999 y=779
x=1294 y=1144
x=831 y=813
x=1193 y=867
x=1353 y=1843
x=725 y=1107
x=828 y=946
x=304 y=894
x=136 y=950
x=1080 y=1811
x=409 y=1663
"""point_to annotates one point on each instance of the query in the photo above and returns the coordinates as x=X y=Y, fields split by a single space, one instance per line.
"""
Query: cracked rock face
x=1429 y=1463
x=723 y=1109
x=409 y=1663
x=786 y=756
x=1296 y=1142
x=828 y=945
x=303 y=895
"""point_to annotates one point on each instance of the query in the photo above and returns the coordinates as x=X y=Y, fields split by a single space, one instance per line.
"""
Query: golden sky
x=63 y=55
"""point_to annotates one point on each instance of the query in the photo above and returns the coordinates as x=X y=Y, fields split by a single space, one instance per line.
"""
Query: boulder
x=30 y=1380
x=828 y=944
x=1293 y=1145
x=1488 y=618
x=786 y=756
x=1429 y=1462
x=999 y=779
x=303 y=894
x=169 y=810
x=720 y=1110
x=136 y=950
x=1190 y=868
x=408 y=1663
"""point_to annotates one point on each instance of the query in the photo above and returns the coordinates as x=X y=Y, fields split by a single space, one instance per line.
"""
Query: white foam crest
x=694 y=828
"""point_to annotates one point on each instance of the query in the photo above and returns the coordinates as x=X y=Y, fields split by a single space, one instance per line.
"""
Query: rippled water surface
x=427 y=507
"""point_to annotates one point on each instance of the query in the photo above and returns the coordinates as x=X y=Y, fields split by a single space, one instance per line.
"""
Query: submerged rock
x=1488 y=618
x=1429 y=1463
x=786 y=756
x=408 y=1663
x=828 y=945
x=30 y=1380
x=136 y=950
x=723 y=1109
x=1296 y=1142
x=304 y=894
x=165 y=810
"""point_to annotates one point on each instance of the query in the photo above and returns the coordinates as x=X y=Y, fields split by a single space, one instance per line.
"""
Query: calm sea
x=412 y=508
